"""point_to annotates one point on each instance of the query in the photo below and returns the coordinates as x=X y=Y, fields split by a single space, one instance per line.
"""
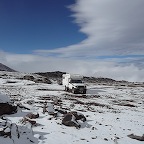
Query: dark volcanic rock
x=6 y=108
x=139 y=138
x=32 y=115
x=70 y=119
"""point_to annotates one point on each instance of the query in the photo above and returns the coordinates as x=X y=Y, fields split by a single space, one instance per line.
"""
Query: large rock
x=29 y=118
x=5 y=106
x=70 y=119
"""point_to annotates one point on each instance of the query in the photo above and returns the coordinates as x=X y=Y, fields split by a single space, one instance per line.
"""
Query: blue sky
x=102 y=38
x=27 y=25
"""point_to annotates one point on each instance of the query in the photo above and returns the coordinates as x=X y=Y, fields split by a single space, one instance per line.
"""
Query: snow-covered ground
x=112 y=112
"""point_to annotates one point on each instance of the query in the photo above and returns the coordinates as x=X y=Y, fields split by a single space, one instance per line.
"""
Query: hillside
x=57 y=76
x=5 y=68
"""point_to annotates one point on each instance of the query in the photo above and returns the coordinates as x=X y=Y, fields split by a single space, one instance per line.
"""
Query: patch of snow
x=4 y=98
x=7 y=130
x=108 y=119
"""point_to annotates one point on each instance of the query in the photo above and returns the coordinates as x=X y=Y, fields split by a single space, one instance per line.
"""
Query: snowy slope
x=112 y=113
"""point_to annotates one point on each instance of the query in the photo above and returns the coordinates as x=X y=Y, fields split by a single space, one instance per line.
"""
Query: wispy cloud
x=112 y=28
x=114 y=46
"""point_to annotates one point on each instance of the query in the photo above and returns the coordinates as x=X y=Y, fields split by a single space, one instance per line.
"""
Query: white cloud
x=98 y=68
x=113 y=27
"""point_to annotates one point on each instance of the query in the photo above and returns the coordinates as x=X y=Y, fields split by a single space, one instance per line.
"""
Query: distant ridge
x=5 y=68
x=57 y=75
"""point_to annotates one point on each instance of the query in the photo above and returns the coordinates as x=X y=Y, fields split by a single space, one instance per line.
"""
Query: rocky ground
x=114 y=112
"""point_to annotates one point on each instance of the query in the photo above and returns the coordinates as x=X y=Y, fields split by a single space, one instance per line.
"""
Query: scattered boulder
x=46 y=80
x=6 y=108
x=140 y=138
x=32 y=115
x=79 y=116
x=16 y=133
x=29 y=77
x=70 y=119
x=5 y=127
x=5 y=131
x=43 y=80
x=61 y=111
x=49 y=107
x=26 y=119
x=29 y=118
x=37 y=79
